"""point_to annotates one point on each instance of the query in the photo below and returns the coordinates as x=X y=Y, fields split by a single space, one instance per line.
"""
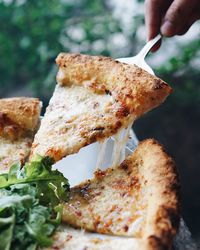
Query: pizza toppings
x=74 y=120
x=112 y=203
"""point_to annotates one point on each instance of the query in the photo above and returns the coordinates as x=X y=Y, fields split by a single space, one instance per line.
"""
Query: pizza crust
x=155 y=177
x=23 y=111
x=163 y=186
x=19 y=119
x=135 y=89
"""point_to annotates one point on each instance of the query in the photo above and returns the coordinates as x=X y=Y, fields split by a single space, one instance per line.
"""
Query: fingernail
x=168 y=28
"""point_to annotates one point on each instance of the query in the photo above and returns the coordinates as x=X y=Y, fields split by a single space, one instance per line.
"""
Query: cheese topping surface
x=76 y=117
x=112 y=203
x=13 y=151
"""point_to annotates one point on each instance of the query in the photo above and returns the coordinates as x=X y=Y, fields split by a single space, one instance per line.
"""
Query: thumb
x=174 y=20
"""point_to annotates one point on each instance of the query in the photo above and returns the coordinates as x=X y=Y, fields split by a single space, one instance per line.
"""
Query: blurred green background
x=32 y=33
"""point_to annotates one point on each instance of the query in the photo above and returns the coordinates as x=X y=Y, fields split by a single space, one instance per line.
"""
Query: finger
x=154 y=10
x=156 y=46
x=174 y=20
x=184 y=29
x=152 y=17
x=153 y=21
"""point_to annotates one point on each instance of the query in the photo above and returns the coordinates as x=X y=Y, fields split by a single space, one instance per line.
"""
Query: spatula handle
x=145 y=50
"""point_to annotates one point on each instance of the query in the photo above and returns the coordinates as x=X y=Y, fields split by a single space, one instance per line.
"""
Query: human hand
x=170 y=17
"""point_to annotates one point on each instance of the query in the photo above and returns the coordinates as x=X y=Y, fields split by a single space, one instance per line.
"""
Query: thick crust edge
x=163 y=189
x=23 y=111
x=136 y=90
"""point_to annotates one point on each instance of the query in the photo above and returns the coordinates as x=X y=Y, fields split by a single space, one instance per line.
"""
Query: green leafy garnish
x=31 y=204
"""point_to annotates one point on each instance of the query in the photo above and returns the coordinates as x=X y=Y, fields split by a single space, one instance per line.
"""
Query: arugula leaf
x=31 y=204
x=38 y=170
x=6 y=229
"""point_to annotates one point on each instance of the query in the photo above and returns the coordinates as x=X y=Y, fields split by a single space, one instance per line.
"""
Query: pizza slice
x=138 y=199
x=67 y=238
x=19 y=119
x=95 y=98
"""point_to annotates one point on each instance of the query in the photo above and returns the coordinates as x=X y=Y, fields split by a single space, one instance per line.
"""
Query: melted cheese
x=121 y=140
x=101 y=154
x=124 y=141
x=119 y=148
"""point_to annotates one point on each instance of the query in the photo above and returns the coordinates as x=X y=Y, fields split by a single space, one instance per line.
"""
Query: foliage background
x=34 y=32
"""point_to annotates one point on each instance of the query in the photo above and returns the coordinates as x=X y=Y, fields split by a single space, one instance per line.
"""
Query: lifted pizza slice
x=95 y=98
x=19 y=119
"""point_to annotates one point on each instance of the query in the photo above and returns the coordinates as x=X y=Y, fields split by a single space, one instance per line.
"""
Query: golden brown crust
x=157 y=177
x=19 y=118
x=21 y=112
x=133 y=87
x=9 y=129
x=163 y=193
